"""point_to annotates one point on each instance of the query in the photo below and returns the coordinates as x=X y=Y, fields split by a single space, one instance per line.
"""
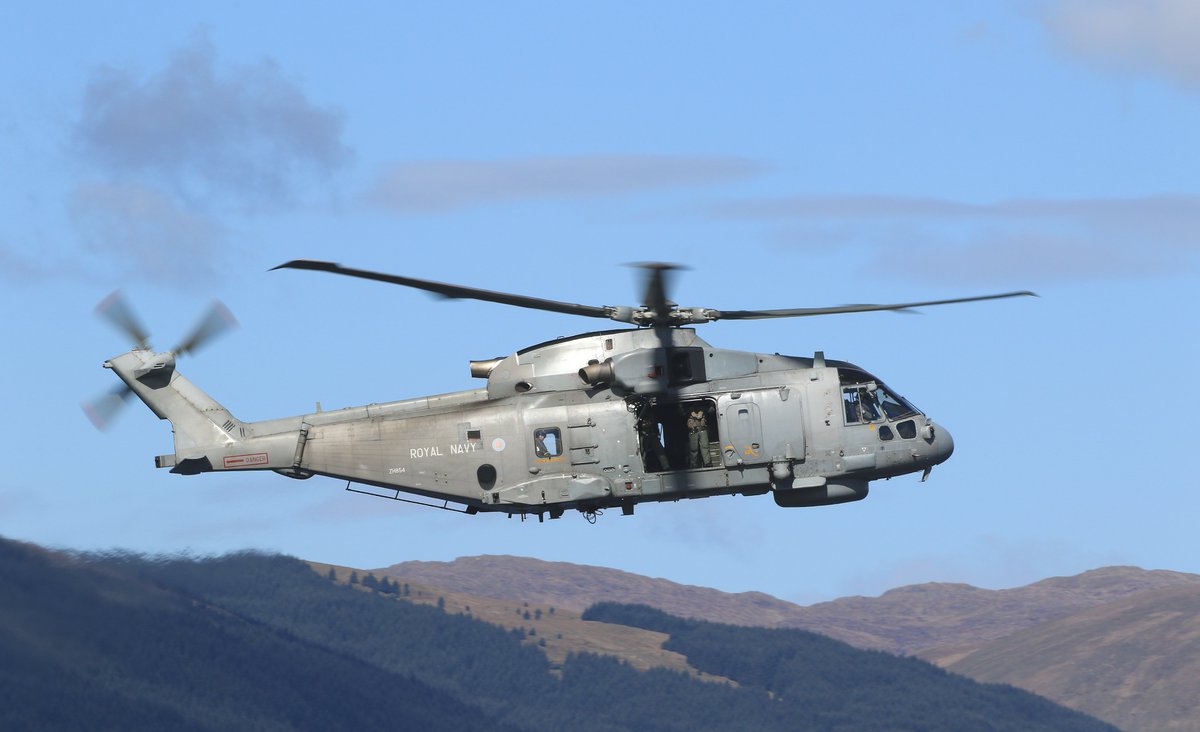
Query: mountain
x=1115 y=642
x=1134 y=661
x=904 y=620
x=256 y=641
x=577 y=586
x=915 y=618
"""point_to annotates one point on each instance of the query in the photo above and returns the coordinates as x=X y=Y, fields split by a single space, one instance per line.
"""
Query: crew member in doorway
x=653 y=454
x=697 y=426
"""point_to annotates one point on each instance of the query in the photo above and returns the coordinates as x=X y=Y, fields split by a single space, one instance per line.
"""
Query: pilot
x=653 y=454
x=697 y=426
x=866 y=404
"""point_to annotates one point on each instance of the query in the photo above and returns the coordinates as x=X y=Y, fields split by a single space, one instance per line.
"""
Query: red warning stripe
x=243 y=461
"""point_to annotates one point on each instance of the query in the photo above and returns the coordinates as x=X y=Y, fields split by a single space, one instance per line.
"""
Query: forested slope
x=89 y=645
x=254 y=641
x=826 y=684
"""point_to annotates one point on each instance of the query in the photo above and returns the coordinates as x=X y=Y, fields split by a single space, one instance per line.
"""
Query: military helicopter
x=606 y=419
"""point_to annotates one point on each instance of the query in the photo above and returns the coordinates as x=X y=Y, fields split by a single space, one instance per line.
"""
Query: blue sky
x=789 y=154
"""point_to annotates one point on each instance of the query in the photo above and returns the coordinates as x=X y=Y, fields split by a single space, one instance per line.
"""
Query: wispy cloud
x=712 y=525
x=440 y=185
x=175 y=151
x=1020 y=239
x=18 y=269
x=146 y=229
x=14 y=501
x=1143 y=36
x=245 y=131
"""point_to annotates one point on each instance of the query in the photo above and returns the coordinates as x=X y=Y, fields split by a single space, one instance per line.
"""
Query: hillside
x=1116 y=642
x=560 y=632
x=93 y=646
x=253 y=641
x=904 y=620
x=578 y=586
x=1134 y=661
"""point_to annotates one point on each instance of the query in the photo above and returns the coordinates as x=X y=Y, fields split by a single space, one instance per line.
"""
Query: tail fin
x=207 y=436
x=201 y=424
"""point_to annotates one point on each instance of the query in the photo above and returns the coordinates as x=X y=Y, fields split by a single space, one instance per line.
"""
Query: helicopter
x=601 y=420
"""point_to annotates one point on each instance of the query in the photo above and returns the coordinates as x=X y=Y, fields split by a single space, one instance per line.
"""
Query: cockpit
x=867 y=400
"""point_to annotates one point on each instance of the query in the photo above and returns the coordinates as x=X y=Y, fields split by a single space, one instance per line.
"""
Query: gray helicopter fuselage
x=606 y=419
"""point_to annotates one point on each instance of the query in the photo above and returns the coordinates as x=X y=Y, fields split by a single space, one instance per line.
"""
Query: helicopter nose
x=941 y=444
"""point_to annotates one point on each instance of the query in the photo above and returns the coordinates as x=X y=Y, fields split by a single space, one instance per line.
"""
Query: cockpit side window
x=860 y=405
x=894 y=405
x=867 y=400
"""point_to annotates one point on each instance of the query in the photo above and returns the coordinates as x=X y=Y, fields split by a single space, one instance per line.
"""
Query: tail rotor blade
x=115 y=310
x=102 y=410
x=216 y=321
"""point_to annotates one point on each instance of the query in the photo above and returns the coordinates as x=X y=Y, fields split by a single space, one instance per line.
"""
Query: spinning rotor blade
x=454 y=292
x=802 y=312
x=216 y=321
x=102 y=410
x=115 y=310
x=656 y=298
x=657 y=309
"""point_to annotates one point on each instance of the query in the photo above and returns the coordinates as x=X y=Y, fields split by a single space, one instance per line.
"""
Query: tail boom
x=207 y=436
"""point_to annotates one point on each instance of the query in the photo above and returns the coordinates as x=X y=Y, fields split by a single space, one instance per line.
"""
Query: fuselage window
x=547 y=443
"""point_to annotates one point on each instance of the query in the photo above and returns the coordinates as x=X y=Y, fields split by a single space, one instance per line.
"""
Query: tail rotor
x=117 y=312
x=216 y=321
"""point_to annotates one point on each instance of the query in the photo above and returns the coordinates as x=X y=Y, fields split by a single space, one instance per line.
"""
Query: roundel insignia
x=498 y=444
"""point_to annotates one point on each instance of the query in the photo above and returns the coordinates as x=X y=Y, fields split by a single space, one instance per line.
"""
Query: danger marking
x=243 y=461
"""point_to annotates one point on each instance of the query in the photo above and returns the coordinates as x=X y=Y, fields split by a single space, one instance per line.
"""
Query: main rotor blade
x=803 y=312
x=115 y=310
x=454 y=292
x=216 y=321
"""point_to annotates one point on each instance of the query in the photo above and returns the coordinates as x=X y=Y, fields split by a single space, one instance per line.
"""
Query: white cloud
x=439 y=185
x=1145 y=36
x=1020 y=240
